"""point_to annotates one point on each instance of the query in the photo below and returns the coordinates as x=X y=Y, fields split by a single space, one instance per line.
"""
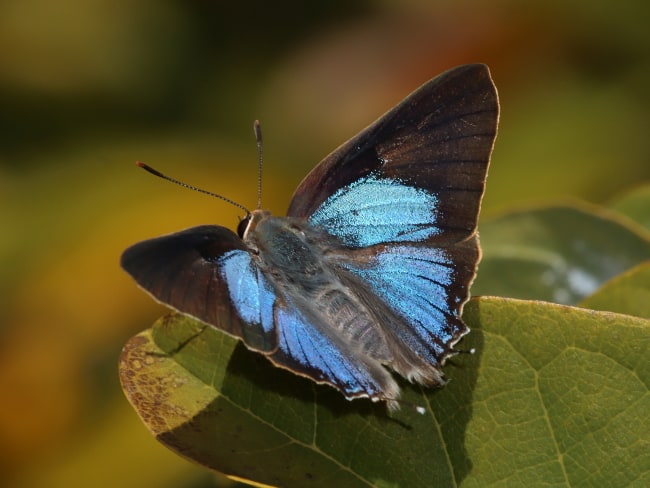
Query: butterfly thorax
x=286 y=248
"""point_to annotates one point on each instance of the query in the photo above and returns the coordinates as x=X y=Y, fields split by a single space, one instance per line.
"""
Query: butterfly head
x=250 y=222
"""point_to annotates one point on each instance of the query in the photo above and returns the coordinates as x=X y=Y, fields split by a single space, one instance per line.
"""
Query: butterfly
x=368 y=273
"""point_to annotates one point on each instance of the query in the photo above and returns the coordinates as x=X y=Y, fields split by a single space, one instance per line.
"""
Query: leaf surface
x=555 y=394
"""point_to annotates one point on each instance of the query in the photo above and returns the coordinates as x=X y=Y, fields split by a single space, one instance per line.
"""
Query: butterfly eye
x=243 y=225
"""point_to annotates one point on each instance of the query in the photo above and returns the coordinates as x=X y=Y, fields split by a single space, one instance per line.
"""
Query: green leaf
x=562 y=397
x=555 y=395
x=253 y=420
x=558 y=253
x=636 y=205
x=627 y=293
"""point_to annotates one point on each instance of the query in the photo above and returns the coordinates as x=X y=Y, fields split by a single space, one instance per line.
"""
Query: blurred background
x=87 y=87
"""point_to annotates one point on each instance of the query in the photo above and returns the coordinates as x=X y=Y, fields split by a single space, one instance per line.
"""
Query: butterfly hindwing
x=310 y=348
x=417 y=293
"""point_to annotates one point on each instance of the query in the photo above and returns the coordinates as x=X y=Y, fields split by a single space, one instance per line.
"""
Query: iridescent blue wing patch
x=375 y=210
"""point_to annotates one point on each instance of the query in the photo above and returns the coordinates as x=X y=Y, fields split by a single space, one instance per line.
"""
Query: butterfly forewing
x=416 y=293
x=439 y=139
x=189 y=271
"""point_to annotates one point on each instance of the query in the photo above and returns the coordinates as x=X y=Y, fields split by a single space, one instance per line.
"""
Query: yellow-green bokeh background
x=87 y=87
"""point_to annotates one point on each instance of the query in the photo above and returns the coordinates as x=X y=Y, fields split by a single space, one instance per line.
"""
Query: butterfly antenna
x=157 y=173
x=257 y=129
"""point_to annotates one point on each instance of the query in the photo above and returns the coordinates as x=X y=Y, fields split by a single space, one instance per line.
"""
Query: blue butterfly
x=371 y=267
